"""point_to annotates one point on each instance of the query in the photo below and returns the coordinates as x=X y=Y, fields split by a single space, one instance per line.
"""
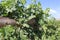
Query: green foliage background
x=16 y=9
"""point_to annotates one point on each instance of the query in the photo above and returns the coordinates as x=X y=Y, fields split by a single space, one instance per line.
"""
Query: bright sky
x=54 y=6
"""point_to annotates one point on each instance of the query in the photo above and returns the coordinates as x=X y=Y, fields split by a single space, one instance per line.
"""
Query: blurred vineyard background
x=42 y=27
